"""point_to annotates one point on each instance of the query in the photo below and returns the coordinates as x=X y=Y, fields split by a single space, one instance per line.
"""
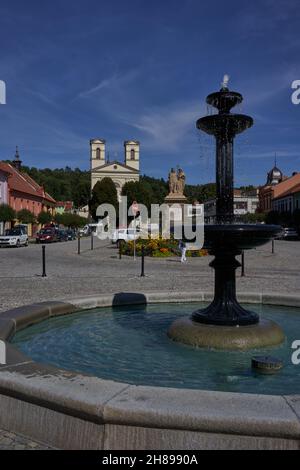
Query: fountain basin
x=70 y=410
x=130 y=344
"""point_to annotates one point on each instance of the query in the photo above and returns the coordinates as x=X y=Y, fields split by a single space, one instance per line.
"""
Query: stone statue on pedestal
x=176 y=182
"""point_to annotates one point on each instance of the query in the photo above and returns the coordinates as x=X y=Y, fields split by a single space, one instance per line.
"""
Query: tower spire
x=17 y=163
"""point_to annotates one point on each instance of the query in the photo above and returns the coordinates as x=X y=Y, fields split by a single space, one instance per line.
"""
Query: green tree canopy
x=7 y=213
x=44 y=218
x=253 y=218
x=104 y=192
x=139 y=191
x=26 y=217
x=200 y=192
x=72 y=220
x=159 y=187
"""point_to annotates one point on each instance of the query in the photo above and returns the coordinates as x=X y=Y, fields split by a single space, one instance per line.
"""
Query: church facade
x=120 y=173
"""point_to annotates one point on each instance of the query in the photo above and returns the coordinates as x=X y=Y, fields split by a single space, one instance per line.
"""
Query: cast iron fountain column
x=224 y=179
x=225 y=309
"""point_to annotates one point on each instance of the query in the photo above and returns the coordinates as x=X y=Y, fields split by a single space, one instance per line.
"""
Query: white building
x=244 y=203
x=120 y=173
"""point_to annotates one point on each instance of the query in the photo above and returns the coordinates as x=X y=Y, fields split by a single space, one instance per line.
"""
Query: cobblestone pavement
x=101 y=271
x=12 y=441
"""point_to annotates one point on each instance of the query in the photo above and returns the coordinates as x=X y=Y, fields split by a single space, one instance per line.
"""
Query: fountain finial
x=225 y=82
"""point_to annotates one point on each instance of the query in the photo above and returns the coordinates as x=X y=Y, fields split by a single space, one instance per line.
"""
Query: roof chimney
x=17 y=163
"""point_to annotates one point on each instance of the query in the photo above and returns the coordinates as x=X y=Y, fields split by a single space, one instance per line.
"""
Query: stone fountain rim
x=51 y=393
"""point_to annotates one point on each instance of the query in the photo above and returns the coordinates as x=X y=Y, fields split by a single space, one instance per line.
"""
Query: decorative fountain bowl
x=232 y=123
x=238 y=237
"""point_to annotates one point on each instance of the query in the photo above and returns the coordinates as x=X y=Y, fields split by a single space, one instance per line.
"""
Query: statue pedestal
x=178 y=200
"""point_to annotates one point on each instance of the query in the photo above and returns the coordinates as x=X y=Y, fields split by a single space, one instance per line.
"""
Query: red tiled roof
x=294 y=189
x=68 y=205
x=4 y=171
x=23 y=183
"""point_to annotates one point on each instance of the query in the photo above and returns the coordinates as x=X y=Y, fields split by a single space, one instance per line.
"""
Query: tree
x=44 y=218
x=7 y=214
x=200 y=192
x=72 y=220
x=104 y=192
x=58 y=218
x=139 y=191
x=253 y=218
x=159 y=187
x=25 y=216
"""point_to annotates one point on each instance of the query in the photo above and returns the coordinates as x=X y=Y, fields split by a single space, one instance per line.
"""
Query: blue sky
x=123 y=69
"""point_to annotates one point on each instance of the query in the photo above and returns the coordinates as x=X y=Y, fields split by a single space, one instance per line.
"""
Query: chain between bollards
x=143 y=262
x=44 y=261
x=243 y=264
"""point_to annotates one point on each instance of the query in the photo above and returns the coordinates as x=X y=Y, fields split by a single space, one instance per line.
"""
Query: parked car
x=47 y=235
x=289 y=233
x=14 y=237
x=88 y=229
x=71 y=234
x=62 y=235
x=125 y=234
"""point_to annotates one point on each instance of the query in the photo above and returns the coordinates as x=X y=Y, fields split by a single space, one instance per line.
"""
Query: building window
x=240 y=205
x=98 y=154
x=132 y=154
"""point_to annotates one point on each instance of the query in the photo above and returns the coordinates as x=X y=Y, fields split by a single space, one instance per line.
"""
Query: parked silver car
x=289 y=234
x=14 y=237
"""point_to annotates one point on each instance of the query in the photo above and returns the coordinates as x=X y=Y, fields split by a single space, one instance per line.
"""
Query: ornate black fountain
x=225 y=239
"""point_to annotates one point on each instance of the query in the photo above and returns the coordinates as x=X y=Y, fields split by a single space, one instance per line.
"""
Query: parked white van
x=14 y=237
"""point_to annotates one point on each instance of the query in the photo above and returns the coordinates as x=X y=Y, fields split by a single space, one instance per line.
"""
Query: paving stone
x=12 y=441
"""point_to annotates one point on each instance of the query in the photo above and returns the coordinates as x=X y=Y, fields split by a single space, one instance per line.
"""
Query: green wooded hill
x=67 y=184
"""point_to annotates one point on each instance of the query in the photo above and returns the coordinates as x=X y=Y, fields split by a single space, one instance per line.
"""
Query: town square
x=149 y=230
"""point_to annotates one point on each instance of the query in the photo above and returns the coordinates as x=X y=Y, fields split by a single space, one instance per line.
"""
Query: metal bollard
x=44 y=261
x=79 y=244
x=243 y=264
x=92 y=241
x=143 y=262
x=273 y=246
x=120 y=250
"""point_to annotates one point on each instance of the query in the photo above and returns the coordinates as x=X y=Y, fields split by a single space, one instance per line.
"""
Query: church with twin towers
x=120 y=173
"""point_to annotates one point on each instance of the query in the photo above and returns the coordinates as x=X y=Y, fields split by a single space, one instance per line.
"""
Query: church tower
x=97 y=153
x=132 y=154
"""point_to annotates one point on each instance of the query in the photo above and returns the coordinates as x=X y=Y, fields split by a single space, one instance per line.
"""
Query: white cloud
x=167 y=128
x=114 y=82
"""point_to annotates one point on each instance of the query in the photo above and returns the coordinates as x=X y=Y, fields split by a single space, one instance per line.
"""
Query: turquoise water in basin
x=130 y=344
